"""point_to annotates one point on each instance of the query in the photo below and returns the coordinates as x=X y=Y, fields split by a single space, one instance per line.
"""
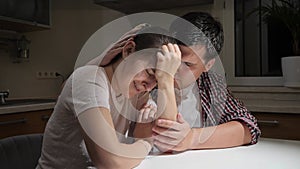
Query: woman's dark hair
x=150 y=37
x=203 y=29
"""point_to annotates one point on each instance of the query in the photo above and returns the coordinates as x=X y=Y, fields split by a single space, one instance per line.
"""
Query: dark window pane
x=259 y=46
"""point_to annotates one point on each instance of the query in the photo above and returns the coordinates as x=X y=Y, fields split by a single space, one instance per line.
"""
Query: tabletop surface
x=266 y=154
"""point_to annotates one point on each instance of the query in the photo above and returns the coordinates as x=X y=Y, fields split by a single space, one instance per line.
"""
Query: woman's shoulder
x=89 y=68
x=87 y=75
x=88 y=71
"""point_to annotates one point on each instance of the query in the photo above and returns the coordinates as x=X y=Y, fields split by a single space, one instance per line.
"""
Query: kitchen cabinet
x=23 y=122
x=24 y=15
x=279 y=125
x=129 y=6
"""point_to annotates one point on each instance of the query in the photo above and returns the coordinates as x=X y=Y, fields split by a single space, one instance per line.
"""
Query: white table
x=266 y=154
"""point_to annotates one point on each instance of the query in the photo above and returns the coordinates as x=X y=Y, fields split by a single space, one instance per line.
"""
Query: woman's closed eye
x=188 y=64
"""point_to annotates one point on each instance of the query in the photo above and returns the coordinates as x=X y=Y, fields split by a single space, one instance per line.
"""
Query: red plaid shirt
x=219 y=106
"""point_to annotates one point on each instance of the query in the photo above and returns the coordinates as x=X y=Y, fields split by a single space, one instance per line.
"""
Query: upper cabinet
x=132 y=6
x=24 y=15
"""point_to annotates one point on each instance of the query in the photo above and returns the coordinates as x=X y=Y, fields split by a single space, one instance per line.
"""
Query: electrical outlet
x=46 y=75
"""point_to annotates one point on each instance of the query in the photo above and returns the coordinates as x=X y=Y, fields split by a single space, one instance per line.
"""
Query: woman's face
x=135 y=74
x=142 y=82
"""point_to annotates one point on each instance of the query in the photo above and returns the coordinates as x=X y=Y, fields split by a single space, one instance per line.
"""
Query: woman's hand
x=172 y=135
x=168 y=61
x=148 y=112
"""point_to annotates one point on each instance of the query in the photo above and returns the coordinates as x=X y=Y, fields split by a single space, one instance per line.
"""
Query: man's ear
x=209 y=64
x=128 y=48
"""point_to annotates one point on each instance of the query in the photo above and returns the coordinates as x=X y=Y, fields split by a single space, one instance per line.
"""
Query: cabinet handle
x=268 y=122
x=45 y=117
x=23 y=120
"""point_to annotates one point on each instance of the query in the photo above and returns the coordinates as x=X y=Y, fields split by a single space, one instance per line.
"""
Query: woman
x=97 y=104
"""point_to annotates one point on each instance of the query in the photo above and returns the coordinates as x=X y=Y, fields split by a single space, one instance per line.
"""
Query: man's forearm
x=225 y=135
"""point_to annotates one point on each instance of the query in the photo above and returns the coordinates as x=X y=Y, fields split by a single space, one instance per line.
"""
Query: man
x=210 y=117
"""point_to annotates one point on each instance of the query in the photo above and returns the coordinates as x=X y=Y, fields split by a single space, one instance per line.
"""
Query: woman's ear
x=209 y=64
x=128 y=48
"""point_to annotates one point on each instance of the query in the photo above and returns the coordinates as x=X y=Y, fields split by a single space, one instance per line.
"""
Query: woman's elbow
x=107 y=164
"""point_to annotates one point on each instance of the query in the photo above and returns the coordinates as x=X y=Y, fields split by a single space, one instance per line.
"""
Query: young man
x=209 y=116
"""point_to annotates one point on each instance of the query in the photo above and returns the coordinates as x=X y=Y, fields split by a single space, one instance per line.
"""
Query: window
x=253 y=49
x=259 y=46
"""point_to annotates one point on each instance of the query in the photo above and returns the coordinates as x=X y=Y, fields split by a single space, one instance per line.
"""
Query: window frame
x=228 y=54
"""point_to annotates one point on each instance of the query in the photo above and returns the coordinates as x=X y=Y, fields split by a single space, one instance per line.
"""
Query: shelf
x=20 y=25
x=25 y=16
x=129 y=6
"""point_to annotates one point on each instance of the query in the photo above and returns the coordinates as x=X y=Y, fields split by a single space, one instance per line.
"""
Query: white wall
x=53 y=50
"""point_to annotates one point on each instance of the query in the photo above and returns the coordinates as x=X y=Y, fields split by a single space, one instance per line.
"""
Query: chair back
x=20 y=152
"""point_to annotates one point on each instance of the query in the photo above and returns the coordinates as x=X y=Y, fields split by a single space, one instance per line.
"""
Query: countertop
x=266 y=154
x=256 y=99
x=26 y=107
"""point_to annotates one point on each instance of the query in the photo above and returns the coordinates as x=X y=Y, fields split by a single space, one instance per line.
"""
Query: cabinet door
x=23 y=123
x=279 y=125
x=25 y=15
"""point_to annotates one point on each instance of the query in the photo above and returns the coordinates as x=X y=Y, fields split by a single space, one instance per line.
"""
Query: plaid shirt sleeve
x=235 y=110
x=219 y=106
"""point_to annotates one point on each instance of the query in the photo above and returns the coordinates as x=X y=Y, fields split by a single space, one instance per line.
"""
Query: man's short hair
x=204 y=30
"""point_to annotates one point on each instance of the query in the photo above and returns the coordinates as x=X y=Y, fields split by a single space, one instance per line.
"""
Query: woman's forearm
x=168 y=62
x=103 y=158
x=166 y=102
x=103 y=145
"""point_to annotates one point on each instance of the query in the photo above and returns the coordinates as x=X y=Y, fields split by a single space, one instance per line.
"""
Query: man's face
x=192 y=65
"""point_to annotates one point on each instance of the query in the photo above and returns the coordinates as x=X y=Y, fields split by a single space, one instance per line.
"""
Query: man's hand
x=172 y=135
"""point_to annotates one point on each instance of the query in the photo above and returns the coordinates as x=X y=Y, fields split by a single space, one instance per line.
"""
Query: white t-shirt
x=189 y=104
x=88 y=87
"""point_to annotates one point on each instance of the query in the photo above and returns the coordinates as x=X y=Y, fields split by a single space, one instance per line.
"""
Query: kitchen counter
x=30 y=106
x=24 y=116
x=266 y=154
